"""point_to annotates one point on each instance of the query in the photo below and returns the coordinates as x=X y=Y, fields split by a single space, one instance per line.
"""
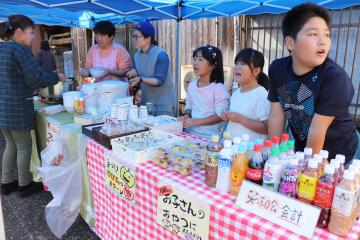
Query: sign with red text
x=120 y=178
x=182 y=214
x=280 y=209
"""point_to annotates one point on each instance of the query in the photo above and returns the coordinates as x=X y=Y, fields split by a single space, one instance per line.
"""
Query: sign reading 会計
x=287 y=212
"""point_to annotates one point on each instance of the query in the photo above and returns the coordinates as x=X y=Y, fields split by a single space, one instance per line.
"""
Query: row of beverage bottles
x=275 y=165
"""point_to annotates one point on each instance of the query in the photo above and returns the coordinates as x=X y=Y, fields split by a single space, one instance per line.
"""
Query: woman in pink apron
x=107 y=55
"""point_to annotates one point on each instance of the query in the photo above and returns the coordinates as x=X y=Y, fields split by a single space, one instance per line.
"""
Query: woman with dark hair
x=45 y=57
x=152 y=71
x=107 y=55
x=20 y=74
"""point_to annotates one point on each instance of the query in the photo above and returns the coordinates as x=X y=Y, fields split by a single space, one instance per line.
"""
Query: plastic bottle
x=291 y=147
x=342 y=163
x=238 y=170
x=336 y=164
x=226 y=136
x=356 y=170
x=256 y=166
x=272 y=171
x=319 y=159
x=250 y=151
x=283 y=155
x=259 y=141
x=76 y=105
x=307 y=155
x=343 y=206
x=308 y=181
x=266 y=152
x=245 y=139
x=290 y=178
x=284 y=138
x=275 y=142
x=211 y=166
x=325 y=155
x=223 y=181
x=324 y=195
x=235 y=146
x=81 y=107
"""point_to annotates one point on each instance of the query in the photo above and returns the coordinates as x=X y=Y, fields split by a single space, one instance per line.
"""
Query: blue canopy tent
x=84 y=13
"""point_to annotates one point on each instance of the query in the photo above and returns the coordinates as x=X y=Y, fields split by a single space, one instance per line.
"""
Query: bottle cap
x=81 y=99
x=300 y=155
x=267 y=143
x=245 y=137
x=354 y=168
x=318 y=158
x=258 y=141
x=275 y=140
x=291 y=144
x=329 y=169
x=313 y=163
x=227 y=143
x=324 y=153
x=283 y=147
x=356 y=162
x=308 y=151
x=349 y=175
x=257 y=147
x=237 y=140
x=226 y=135
x=215 y=138
x=340 y=157
x=275 y=152
x=250 y=145
x=284 y=137
x=242 y=148
x=294 y=161
x=335 y=163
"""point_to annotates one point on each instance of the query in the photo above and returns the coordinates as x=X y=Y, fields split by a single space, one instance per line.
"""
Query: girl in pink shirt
x=207 y=96
x=107 y=55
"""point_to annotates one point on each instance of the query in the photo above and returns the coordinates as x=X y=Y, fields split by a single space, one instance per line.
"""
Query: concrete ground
x=24 y=218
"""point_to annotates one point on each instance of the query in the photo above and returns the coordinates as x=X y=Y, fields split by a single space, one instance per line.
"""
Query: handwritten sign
x=182 y=214
x=52 y=130
x=120 y=178
x=287 y=212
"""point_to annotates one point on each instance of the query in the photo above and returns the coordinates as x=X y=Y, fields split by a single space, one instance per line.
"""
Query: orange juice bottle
x=238 y=170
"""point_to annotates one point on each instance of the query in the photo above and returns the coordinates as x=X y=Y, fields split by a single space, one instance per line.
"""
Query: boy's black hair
x=253 y=59
x=105 y=28
x=296 y=18
x=214 y=56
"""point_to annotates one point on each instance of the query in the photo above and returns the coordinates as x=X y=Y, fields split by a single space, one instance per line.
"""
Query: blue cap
x=146 y=28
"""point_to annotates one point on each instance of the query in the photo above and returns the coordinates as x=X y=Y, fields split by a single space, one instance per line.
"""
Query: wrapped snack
x=184 y=170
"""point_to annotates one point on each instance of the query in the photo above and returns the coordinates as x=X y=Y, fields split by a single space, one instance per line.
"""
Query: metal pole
x=178 y=59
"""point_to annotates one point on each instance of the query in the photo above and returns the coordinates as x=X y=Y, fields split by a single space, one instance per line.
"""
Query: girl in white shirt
x=249 y=107
x=207 y=96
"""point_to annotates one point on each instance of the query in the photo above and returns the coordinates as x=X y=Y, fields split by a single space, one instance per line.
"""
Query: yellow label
x=237 y=178
x=307 y=187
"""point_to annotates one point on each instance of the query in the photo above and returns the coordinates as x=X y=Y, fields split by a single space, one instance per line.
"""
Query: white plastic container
x=69 y=98
x=91 y=96
x=110 y=91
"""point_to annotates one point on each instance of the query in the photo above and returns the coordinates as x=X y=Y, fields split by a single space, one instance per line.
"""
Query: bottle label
x=289 y=182
x=307 y=187
x=272 y=174
x=343 y=201
x=324 y=194
x=237 y=178
x=254 y=174
x=224 y=162
x=212 y=159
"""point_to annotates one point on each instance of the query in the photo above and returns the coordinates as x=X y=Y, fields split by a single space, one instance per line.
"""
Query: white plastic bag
x=57 y=152
x=65 y=184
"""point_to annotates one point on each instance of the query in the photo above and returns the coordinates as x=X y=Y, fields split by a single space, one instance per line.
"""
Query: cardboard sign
x=287 y=212
x=182 y=214
x=120 y=178
x=52 y=130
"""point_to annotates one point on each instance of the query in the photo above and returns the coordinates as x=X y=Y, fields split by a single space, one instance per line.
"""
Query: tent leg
x=177 y=66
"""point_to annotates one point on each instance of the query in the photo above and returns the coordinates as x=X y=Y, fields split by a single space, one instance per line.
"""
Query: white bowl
x=97 y=73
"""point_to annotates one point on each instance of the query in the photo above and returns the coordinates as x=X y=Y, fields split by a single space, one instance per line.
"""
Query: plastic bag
x=65 y=184
x=57 y=153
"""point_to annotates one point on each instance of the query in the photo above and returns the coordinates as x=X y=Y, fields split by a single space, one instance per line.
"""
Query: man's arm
x=317 y=131
x=276 y=120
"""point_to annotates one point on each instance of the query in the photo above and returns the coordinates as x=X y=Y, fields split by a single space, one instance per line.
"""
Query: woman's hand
x=234 y=117
x=224 y=116
x=62 y=77
x=132 y=74
x=188 y=122
x=134 y=81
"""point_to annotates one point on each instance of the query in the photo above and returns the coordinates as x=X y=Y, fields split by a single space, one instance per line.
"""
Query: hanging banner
x=182 y=214
x=52 y=129
x=287 y=212
x=120 y=178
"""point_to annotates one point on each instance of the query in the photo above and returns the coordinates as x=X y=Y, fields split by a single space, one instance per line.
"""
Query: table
x=116 y=219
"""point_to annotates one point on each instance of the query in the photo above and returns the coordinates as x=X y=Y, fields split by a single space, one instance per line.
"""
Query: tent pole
x=178 y=60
